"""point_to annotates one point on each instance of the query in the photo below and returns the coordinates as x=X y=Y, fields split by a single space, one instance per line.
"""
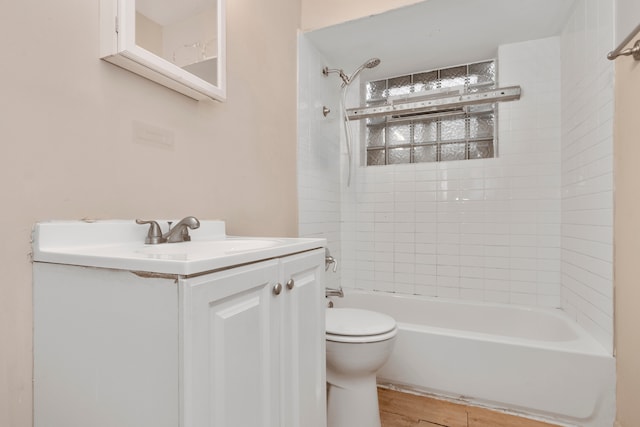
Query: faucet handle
x=328 y=260
x=154 y=236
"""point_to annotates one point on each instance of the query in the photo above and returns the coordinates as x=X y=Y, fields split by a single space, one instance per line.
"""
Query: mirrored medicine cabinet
x=179 y=44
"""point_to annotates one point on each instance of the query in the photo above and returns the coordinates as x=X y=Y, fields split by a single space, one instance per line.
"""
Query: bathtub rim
x=583 y=344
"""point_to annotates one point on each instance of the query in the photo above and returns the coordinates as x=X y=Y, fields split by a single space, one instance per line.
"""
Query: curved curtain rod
x=635 y=50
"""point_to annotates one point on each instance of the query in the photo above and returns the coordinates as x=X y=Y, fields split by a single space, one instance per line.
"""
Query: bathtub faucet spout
x=331 y=292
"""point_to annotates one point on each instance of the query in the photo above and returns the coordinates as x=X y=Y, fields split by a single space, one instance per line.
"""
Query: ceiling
x=438 y=33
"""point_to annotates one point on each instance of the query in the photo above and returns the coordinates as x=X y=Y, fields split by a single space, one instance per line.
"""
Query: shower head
x=346 y=80
x=371 y=63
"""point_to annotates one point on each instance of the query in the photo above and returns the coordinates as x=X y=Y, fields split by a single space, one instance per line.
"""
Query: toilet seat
x=353 y=325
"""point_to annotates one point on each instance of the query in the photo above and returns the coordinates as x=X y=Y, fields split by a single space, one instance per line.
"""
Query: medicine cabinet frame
x=118 y=46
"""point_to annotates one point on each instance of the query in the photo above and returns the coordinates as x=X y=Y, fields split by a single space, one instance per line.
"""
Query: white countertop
x=119 y=244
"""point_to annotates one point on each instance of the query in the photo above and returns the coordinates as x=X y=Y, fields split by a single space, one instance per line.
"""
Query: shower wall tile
x=319 y=209
x=587 y=169
x=481 y=230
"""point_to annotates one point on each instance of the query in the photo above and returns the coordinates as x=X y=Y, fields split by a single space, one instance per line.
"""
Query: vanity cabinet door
x=253 y=346
x=303 y=341
x=230 y=348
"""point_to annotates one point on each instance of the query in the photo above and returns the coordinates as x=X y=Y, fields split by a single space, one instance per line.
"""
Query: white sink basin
x=212 y=247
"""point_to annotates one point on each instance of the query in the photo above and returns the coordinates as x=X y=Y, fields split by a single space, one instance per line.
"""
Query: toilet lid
x=357 y=322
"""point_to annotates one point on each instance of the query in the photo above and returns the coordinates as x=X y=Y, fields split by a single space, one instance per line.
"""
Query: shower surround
x=485 y=229
x=530 y=227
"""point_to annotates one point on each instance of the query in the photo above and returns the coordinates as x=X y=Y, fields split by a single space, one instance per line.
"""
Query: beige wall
x=318 y=14
x=67 y=151
x=627 y=240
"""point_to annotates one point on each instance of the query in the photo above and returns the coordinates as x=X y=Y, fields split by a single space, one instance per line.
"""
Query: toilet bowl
x=359 y=342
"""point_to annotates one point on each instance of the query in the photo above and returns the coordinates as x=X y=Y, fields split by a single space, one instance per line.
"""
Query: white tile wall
x=486 y=230
x=318 y=153
x=587 y=168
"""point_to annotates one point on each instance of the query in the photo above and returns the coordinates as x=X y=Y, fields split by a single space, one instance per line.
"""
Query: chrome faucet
x=330 y=292
x=180 y=231
x=177 y=233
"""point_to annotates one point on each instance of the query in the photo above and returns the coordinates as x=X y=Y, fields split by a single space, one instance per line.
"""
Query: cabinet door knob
x=290 y=284
x=277 y=289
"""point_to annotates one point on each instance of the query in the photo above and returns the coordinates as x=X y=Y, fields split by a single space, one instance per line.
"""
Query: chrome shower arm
x=326 y=71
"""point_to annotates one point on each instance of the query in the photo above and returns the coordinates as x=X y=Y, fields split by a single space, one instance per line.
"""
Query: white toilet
x=359 y=342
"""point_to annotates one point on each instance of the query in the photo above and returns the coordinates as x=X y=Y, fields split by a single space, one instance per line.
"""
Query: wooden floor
x=407 y=410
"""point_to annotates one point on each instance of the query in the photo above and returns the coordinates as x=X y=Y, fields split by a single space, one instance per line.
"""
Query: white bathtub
x=531 y=361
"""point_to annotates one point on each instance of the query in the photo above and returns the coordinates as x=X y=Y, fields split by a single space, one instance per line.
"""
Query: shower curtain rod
x=435 y=104
x=634 y=51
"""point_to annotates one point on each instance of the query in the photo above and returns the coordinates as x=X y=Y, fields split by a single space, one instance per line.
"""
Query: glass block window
x=456 y=134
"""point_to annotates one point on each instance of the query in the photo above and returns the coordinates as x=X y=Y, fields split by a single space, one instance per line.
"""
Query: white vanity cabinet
x=253 y=347
x=234 y=347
